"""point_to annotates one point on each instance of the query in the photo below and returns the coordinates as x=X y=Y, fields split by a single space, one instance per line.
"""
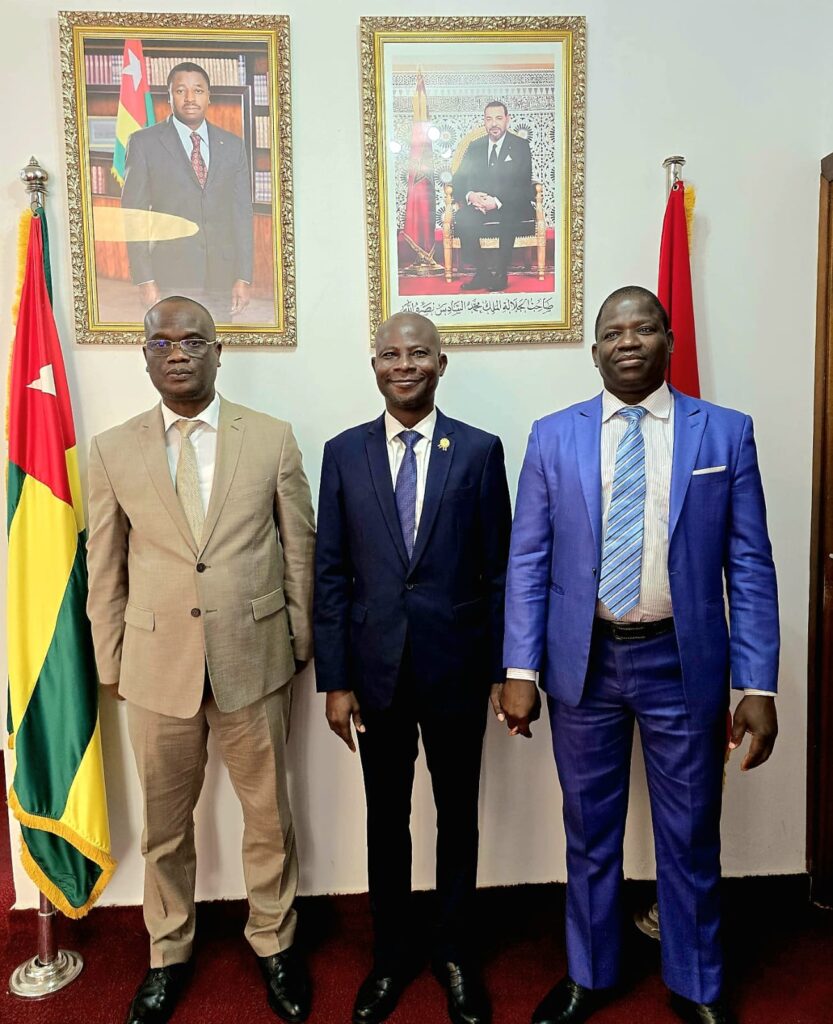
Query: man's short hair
x=188 y=65
x=497 y=103
x=633 y=291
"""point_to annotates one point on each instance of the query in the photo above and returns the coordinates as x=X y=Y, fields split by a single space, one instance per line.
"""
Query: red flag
x=674 y=292
x=421 y=204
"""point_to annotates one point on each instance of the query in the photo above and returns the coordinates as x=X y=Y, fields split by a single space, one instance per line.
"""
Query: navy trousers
x=641 y=681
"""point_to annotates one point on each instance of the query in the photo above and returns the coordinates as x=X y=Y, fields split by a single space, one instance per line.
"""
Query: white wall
x=733 y=86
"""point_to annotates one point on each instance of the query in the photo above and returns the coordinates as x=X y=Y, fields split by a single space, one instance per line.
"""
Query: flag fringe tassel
x=84 y=847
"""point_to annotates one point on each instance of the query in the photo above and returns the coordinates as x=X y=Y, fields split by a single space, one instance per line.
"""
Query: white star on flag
x=133 y=69
x=45 y=381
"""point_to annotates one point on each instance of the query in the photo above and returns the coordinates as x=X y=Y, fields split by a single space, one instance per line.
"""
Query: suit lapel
x=216 y=154
x=172 y=142
x=690 y=420
x=439 y=466
x=231 y=430
x=588 y=430
x=154 y=452
x=377 y=457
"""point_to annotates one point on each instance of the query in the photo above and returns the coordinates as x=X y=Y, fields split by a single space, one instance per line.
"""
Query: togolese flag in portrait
x=57 y=793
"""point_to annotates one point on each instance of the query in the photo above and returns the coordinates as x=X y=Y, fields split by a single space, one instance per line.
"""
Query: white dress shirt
x=422 y=451
x=184 y=133
x=204 y=439
x=658 y=434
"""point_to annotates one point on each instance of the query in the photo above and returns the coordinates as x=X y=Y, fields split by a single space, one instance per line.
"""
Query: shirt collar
x=210 y=415
x=184 y=131
x=425 y=427
x=658 y=403
x=499 y=144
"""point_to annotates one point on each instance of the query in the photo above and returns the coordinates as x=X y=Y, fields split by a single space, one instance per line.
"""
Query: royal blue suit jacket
x=717 y=534
x=447 y=598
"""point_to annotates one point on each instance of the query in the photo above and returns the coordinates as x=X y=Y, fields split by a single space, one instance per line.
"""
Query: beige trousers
x=170 y=757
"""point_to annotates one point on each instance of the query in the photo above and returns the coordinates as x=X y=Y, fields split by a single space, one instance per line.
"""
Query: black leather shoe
x=288 y=986
x=377 y=998
x=157 y=996
x=468 y=1002
x=568 y=1003
x=499 y=283
x=701 y=1013
x=479 y=283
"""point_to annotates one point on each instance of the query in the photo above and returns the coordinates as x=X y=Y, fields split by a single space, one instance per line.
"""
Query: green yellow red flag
x=57 y=792
x=135 y=103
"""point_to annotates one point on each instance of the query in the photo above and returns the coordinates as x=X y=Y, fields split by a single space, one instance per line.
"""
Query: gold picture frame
x=426 y=84
x=243 y=68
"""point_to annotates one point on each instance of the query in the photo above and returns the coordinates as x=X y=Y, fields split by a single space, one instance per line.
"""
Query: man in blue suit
x=634 y=510
x=413 y=538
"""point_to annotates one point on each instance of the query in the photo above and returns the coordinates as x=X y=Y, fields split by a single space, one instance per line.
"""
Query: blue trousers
x=641 y=681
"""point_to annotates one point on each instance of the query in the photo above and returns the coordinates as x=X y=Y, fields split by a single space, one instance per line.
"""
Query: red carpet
x=779 y=955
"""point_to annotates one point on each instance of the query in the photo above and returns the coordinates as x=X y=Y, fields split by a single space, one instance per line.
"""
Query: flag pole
x=673 y=172
x=647 y=921
x=51 y=968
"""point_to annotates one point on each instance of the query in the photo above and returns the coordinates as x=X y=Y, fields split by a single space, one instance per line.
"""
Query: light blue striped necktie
x=406 y=488
x=622 y=549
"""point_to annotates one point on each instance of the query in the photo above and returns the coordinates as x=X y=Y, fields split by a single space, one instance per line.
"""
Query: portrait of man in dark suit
x=191 y=169
x=413 y=539
x=493 y=190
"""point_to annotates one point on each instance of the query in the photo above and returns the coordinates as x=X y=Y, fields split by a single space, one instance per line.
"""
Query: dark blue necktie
x=622 y=549
x=406 y=489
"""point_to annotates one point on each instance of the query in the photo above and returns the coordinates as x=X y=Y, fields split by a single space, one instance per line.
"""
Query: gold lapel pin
x=444 y=444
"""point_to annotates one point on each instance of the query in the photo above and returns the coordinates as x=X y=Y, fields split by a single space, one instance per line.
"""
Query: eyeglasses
x=190 y=346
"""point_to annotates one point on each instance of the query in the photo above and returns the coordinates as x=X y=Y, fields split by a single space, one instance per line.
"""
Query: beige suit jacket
x=162 y=606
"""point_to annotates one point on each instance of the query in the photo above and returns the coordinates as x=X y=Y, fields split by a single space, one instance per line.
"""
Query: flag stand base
x=647 y=921
x=34 y=980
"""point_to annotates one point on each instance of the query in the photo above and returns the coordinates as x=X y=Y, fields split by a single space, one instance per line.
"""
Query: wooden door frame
x=820 y=654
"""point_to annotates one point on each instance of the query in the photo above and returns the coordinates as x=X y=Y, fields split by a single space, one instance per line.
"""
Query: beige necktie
x=188 y=478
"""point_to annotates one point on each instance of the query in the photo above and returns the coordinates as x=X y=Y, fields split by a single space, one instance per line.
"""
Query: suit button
x=410 y=586
x=200 y=566
x=195 y=612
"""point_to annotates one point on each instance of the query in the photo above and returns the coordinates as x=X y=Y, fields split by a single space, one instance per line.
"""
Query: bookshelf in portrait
x=151 y=218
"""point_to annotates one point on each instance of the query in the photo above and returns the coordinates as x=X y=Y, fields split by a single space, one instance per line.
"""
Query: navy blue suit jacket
x=447 y=599
x=717 y=533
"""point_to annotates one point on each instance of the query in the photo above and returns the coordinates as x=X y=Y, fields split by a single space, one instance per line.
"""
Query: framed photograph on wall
x=474 y=171
x=179 y=167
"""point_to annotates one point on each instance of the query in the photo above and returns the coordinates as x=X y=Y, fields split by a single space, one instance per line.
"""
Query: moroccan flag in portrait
x=674 y=289
x=57 y=793
x=135 y=103
x=421 y=203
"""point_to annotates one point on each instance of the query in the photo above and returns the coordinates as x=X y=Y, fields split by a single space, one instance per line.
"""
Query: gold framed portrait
x=179 y=169
x=474 y=172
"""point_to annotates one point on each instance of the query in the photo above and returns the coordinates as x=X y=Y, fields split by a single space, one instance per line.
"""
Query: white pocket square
x=508 y=158
x=708 y=469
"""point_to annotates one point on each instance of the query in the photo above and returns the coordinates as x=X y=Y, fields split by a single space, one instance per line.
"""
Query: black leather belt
x=628 y=631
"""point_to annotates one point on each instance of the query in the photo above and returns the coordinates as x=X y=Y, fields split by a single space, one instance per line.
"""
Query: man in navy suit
x=189 y=168
x=493 y=187
x=634 y=510
x=413 y=537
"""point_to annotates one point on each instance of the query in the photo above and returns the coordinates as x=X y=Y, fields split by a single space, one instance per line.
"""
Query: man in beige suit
x=200 y=558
